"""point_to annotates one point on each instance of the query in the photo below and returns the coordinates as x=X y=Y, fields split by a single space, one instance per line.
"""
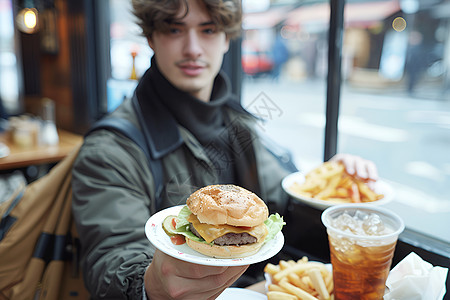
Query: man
x=202 y=136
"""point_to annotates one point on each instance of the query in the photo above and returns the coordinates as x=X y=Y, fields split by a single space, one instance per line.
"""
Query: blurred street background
x=407 y=137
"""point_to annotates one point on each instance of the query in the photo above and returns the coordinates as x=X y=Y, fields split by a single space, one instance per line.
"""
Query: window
x=394 y=100
x=129 y=51
x=395 y=110
x=10 y=82
x=399 y=121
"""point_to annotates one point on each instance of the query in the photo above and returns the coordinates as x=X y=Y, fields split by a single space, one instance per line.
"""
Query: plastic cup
x=362 y=241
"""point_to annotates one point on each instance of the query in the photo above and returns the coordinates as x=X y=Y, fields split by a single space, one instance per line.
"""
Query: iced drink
x=362 y=241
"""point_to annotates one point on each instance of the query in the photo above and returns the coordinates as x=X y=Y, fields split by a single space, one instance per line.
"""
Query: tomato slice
x=177 y=239
x=174 y=223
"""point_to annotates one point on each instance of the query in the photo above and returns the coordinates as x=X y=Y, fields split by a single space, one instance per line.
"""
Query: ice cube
x=373 y=225
x=349 y=224
x=344 y=222
x=342 y=244
x=361 y=215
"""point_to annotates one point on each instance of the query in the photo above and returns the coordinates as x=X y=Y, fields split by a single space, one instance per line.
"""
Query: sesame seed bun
x=227 y=204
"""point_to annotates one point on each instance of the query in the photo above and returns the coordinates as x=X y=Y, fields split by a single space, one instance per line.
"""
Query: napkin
x=415 y=279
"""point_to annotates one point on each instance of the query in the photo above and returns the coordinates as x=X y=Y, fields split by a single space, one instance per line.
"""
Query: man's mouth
x=191 y=68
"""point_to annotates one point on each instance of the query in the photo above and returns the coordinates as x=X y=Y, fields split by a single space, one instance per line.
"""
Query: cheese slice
x=212 y=232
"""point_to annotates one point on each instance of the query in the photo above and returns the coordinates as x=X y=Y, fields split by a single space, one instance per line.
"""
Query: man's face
x=191 y=53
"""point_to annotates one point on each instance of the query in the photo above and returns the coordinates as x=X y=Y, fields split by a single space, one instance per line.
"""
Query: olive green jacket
x=113 y=192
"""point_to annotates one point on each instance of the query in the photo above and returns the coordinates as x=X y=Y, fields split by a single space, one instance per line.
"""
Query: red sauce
x=245 y=227
x=177 y=239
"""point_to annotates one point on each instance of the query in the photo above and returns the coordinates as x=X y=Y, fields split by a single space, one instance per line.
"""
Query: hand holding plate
x=170 y=278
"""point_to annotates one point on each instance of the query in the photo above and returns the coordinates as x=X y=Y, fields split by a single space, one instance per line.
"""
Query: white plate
x=381 y=187
x=157 y=236
x=238 y=293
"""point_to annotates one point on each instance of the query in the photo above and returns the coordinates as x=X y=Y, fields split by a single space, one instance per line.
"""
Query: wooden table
x=36 y=155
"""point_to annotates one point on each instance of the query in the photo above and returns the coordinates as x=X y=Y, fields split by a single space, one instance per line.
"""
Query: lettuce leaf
x=182 y=217
x=183 y=225
x=274 y=225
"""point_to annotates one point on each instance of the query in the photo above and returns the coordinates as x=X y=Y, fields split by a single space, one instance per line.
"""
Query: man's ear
x=150 y=43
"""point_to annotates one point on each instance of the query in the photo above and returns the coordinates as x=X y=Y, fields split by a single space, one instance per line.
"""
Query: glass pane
x=130 y=53
x=284 y=54
x=395 y=107
x=9 y=76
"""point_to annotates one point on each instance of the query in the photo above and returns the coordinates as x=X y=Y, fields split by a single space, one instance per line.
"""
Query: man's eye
x=174 y=30
x=209 y=31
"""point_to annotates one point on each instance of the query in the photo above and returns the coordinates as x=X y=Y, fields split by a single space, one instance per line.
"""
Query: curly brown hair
x=156 y=15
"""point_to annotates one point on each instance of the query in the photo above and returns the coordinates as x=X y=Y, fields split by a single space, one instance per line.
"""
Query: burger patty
x=229 y=238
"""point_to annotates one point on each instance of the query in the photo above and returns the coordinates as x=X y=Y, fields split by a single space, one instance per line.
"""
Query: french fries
x=302 y=279
x=276 y=295
x=330 y=182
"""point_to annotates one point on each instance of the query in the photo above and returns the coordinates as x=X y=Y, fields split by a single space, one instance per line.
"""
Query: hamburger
x=224 y=221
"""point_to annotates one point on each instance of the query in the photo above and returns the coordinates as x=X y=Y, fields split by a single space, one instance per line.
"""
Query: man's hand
x=359 y=167
x=170 y=278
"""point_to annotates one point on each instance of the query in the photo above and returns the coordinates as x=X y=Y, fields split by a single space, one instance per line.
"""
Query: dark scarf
x=205 y=120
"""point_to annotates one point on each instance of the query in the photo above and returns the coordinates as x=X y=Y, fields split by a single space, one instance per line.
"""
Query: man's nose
x=192 y=47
